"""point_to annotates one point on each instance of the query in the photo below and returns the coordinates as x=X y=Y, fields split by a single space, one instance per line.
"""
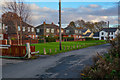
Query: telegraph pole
x=108 y=31
x=60 y=37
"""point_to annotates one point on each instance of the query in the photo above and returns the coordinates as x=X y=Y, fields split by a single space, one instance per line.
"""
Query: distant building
x=48 y=30
x=87 y=33
x=103 y=34
x=9 y=27
x=72 y=31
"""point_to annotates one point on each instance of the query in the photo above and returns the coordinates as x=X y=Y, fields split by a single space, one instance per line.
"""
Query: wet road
x=64 y=65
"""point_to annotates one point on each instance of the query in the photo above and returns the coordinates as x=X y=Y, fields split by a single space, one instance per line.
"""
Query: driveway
x=64 y=65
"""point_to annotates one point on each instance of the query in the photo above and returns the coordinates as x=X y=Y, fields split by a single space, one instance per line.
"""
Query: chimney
x=44 y=22
x=52 y=23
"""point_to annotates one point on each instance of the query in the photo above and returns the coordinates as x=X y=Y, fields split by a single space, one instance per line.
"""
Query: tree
x=19 y=8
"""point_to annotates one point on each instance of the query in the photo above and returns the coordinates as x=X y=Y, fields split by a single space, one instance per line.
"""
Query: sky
x=73 y=10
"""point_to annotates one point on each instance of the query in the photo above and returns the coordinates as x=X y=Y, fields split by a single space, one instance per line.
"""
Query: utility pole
x=60 y=37
x=108 y=32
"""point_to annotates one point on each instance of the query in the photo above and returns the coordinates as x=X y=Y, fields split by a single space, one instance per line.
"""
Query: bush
x=106 y=65
x=88 y=38
x=40 y=41
x=69 y=38
x=50 y=39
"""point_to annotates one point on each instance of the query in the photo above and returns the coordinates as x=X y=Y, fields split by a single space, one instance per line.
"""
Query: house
x=87 y=33
x=3 y=34
x=72 y=31
x=103 y=34
x=96 y=35
x=11 y=23
x=48 y=30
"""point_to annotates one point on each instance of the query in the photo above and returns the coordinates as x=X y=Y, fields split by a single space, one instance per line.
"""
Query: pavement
x=63 y=65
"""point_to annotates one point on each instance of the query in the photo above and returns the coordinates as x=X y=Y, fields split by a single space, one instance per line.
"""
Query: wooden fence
x=16 y=51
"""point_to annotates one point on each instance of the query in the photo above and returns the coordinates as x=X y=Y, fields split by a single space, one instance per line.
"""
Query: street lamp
x=60 y=37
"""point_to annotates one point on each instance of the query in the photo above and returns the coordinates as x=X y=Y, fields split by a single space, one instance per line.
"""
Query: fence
x=16 y=51
x=15 y=42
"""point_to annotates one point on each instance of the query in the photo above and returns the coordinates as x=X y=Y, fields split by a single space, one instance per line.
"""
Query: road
x=64 y=65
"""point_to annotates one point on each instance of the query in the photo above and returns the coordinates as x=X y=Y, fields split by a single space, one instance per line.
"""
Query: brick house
x=48 y=30
x=9 y=20
x=72 y=31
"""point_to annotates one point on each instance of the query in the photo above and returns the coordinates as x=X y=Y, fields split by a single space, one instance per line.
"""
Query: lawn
x=55 y=45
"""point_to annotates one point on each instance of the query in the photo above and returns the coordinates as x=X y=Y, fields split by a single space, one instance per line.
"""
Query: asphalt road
x=64 y=65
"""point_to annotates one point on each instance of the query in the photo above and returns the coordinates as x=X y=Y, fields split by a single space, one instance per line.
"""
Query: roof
x=84 y=30
x=47 y=25
x=96 y=34
x=88 y=34
x=109 y=29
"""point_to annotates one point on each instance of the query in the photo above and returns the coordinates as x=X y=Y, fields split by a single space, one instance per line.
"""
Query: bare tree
x=21 y=9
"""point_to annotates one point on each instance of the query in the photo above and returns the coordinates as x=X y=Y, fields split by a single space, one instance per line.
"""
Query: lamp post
x=60 y=37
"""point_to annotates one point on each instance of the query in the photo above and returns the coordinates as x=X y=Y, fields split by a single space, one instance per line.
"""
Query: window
x=52 y=30
x=6 y=28
x=61 y=31
x=76 y=31
x=102 y=33
x=80 y=32
x=111 y=33
x=18 y=28
x=28 y=29
x=67 y=31
x=33 y=37
x=47 y=30
x=38 y=30
x=0 y=25
x=23 y=28
x=3 y=26
x=32 y=29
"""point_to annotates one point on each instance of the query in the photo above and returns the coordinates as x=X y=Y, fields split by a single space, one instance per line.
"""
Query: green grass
x=52 y=45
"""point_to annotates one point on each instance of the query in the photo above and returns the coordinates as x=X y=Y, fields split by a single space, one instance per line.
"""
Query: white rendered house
x=103 y=34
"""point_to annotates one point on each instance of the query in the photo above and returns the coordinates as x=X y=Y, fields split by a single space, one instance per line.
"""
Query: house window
x=76 y=31
x=23 y=28
x=111 y=33
x=38 y=30
x=33 y=37
x=28 y=29
x=80 y=32
x=61 y=31
x=0 y=25
x=6 y=28
x=102 y=33
x=3 y=26
x=67 y=31
x=47 y=30
x=18 y=28
x=32 y=29
x=52 y=30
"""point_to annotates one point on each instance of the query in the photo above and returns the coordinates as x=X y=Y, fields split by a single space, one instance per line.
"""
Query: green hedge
x=69 y=38
x=50 y=39
x=88 y=38
x=40 y=41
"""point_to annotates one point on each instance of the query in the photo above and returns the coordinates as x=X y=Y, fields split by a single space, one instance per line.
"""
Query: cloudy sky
x=72 y=11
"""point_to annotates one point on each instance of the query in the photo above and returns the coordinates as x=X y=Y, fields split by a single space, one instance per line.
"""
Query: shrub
x=50 y=39
x=106 y=65
x=41 y=41
x=69 y=38
x=88 y=38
